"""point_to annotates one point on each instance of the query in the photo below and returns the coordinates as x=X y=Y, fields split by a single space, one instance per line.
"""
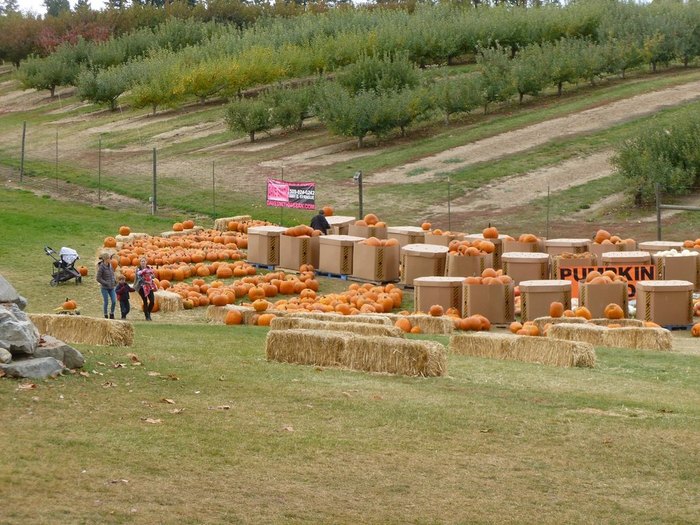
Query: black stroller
x=63 y=268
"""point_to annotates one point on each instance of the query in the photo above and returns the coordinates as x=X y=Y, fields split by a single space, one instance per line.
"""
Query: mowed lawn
x=197 y=427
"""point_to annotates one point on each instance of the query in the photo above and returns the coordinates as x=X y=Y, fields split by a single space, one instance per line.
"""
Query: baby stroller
x=63 y=268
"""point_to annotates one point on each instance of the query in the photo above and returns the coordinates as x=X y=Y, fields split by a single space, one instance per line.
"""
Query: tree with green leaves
x=46 y=73
x=104 y=86
x=56 y=7
x=496 y=69
x=457 y=95
x=530 y=71
x=290 y=106
x=371 y=73
x=249 y=116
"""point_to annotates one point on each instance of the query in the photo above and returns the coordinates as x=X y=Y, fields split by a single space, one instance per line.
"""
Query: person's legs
x=105 y=299
x=151 y=303
x=124 y=307
x=145 y=303
x=113 y=299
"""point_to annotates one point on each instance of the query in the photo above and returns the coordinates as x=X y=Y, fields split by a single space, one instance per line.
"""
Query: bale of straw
x=583 y=333
x=542 y=350
x=217 y=314
x=168 y=301
x=287 y=323
x=555 y=352
x=307 y=347
x=427 y=323
x=339 y=318
x=87 y=330
x=638 y=338
x=541 y=321
x=482 y=344
x=392 y=355
x=221 y=224
x=621 y=322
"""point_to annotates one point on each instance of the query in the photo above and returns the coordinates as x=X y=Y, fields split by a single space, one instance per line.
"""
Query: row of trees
x=378 y=95
x=665 y=155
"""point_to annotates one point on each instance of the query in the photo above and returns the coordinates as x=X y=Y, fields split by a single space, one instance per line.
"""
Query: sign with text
x=633 y=274
x=287 y=194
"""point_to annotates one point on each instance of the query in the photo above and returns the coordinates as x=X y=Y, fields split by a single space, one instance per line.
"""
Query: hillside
x=500 y=163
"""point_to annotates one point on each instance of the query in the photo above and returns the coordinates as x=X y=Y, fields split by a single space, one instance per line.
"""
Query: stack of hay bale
x=371 y=347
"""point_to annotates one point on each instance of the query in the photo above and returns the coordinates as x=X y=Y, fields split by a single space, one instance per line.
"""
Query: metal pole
x=362 y=214
x=56 y=161
x=281 y=207
x=213 y=190
x=99 y=170
x=548 y=203
x=154 y=205
x=657 y=191
x=449 y=206
x=21 y=158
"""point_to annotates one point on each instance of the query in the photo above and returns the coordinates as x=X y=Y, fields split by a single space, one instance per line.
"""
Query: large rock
x=17 y=333
x=8 y=294
x=52 y=347
x=40 y=368
x=5 y=356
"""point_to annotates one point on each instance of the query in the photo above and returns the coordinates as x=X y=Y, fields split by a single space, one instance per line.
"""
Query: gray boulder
x=5 y=356
x=8 y=294
x=17 y=333
x=40 y=368
x=52 y=347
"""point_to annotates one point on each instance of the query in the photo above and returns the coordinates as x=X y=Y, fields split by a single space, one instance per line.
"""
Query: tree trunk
x=653 y=67
x=52 y=89
x=520 y=97
x=638 y=198
x=154 y=108
x=360 y=142
x=447 y=118
x=403 y=130
x=252 y=136
x=560 y=88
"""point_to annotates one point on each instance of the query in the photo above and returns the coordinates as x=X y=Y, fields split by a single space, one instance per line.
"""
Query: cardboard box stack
x=336 y=253
x=421 y=260
x=525 y=266
x=596 y=297
x=339 y=224
x=570 y=260
x=537 y=296
x=295 y=251
x=406 y=234
x=625 y=258
x=561 y=246
x=672 y=265
x=442 y=238
x=375 y=263
x=445 y=291
x=660 y=246
x=667 y=303
x=496 y=302
x=264 y=245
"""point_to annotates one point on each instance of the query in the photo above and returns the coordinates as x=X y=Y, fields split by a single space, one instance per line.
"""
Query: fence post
x=99 y=170
x=213 y=191
x=657 y=191
x=21 y=158
x=154 y=205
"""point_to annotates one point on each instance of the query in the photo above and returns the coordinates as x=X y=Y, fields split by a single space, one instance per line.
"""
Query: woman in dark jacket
x=105 y=276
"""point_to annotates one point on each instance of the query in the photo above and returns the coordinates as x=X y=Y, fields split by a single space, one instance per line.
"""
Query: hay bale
x=339 y=318
x=541 y=321
x=583 y=333
x=541 y=350
x=638 y=338
x=307 y=347
x=288 y=322
x=168 y=301
x=427 y=323
x=221 y=224
x=555 y=352
x=392 y=355
x=621 y=322
x=482 y=344
x=217 y=314
x=87 y=330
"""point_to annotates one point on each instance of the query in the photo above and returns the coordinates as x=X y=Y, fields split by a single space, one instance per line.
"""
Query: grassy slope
x=495 y=442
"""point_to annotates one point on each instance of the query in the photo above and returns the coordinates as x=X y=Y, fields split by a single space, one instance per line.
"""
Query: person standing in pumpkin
x=105 y=276
x=145 y=286
x=122 y=291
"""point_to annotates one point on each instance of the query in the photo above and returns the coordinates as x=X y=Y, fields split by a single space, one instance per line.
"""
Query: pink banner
x=287 y=194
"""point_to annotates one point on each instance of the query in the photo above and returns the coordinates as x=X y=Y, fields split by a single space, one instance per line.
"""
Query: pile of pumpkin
x=604 y=237
x=371 y=220
x=243 y=225
x=692 y=244
x=373 y=241
x=302 y=231
x=488 y=277
x=471 y=248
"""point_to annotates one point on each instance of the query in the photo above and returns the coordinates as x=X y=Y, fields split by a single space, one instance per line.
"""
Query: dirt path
x=519 y=140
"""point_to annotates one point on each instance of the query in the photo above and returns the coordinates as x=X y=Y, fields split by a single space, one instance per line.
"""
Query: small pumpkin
x=83 y=270
x=110 y=242
x=613 y=311
x=695 y=330
x=556 y=309
x=188 y=224
x=233 y=317
x=425 y=226
x=327 y=211
x=436 y=310
x=124 y=230
x=404 y=324
x=490 y=233
x=584 y=312
x=178 y=227
x=70 y=304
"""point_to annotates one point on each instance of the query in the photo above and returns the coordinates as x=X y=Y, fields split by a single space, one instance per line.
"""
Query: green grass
x=238 y=439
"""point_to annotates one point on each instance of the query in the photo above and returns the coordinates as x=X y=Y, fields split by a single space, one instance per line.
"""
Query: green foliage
x=104 y=86
x=530 y=71
x=47 y=73
x=667 y=156
x=458 y=95
x=289 y=106
x=496 y=70
x=249 y=116
x=371 y=73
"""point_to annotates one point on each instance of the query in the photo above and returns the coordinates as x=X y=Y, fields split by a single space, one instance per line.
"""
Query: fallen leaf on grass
x=26 y=386
x=346 y=394
x=318 y=369
x=108 y=384
x=288 y=428
x=173 y=377
x=176 y=410
x=166 y=400
x=485 y=430
x=153 y=374
x=101 y=363
x=220 y=407
x=134 y=359
x=119 y=365
x=151 y=420
x=666 y=411
x=607 y=441
x=84 y=373
x=377 y=397
x=116 y=481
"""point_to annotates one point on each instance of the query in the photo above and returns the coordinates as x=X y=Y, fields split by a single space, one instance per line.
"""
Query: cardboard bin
x=375 y=263
x=336 y=253
x=264 y=245
x=599 y=249
x=367 y=231
x=660 y=246
x=667 y=303
x=467 y=265
x=406 y=234
x=677 y=267
x=422 y=260
x=625 y=258
x=443 y=239
x=596 y=297
x=525 y=266
x=559 y=246
x=339 y=224
x=498 y=251
x=578 y=260
x=537 y=296
x=496 y=302
x=513 y=245
x=445 y=291
x=295 y=251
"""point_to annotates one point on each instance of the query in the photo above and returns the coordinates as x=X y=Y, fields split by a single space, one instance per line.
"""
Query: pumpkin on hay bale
x=540 y=322
x=546 y=351
x=289 y=322
x=86 y=330
x=427 y=324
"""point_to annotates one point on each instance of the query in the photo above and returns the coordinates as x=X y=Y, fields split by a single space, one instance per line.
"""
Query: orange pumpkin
x=404 y=324
x=436 y=310
x=416 y=330
x=178 y=227
x=219 y=299
x=265 y=319
x=188 y=224
x=515 y=326
x=695 y=330
x=613 y=311
x=426 y=226
x=584 y=312
x=124 y=230
x=490 y=233
x=70 y=304
x=327 y=211
x=371 y=219
x=233 y=317
x=110 y=242
x=556 y=309
x=260 y=305
x=83 y=271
